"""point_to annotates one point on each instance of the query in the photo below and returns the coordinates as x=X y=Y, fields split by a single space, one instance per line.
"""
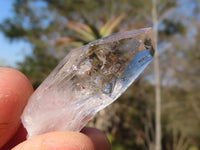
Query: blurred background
x=36 y=34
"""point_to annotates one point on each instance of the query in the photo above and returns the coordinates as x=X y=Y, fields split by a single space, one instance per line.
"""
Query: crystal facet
x=87 y=80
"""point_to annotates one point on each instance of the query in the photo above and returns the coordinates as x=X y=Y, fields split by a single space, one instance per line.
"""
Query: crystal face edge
x=87 y=80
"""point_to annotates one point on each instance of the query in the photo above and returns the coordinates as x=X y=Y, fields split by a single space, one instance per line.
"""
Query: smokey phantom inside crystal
x=87 y=80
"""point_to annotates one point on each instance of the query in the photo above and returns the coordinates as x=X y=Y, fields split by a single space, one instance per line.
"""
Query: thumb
x=58 y=141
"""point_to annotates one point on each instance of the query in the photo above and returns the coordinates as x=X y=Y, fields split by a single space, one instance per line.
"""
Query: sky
x=11 y=52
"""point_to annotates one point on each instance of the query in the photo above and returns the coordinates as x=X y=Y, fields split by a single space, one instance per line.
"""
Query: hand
x=15 y=90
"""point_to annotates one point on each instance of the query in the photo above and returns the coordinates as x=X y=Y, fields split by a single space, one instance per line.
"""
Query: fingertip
x=16 y=82
x=58 y=141
x=15 y=90
x=14 y=87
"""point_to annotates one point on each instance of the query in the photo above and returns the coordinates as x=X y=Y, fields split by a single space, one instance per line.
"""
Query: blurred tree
x=55 y=27
x=42 y=22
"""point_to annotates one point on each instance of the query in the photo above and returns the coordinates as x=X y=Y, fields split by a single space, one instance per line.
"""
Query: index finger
x=15 y=90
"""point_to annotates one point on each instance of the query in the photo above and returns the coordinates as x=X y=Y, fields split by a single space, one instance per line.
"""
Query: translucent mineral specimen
x=87 y=80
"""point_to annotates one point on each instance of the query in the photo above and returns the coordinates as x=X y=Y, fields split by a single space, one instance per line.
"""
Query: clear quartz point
x=87 y=80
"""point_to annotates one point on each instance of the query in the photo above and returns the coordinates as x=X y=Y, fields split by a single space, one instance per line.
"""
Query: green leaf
x=111 y=24
x=81 y=29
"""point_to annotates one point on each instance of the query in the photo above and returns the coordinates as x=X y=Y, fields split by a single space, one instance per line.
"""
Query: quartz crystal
x=87 y=80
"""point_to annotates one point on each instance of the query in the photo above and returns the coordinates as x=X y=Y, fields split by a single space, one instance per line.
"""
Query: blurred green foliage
x=55 y=27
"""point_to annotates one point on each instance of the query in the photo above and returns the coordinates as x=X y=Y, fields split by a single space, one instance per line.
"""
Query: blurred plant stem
x=157 y=80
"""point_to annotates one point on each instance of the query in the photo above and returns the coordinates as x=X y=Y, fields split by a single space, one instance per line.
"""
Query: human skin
x=15 y=89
